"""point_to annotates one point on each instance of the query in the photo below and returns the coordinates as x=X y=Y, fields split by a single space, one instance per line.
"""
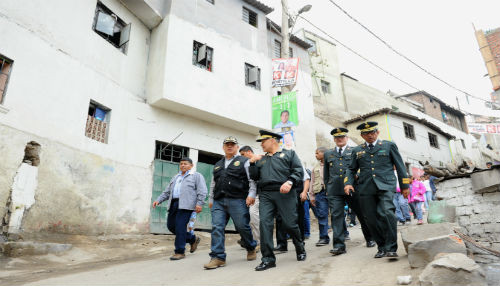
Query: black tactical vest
x=232 y=181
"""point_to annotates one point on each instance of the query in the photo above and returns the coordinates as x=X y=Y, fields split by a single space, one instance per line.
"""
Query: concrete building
x=416 y=138
x=115 y=93
x=489 y=46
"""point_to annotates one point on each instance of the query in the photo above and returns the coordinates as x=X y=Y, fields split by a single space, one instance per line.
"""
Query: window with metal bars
x=277 y=49
x=433 y=140
x=5 y=68
x=97 y=122
x=250 y=17
x=109 y=26
x=409 y=130
x=171 y=153
x=252 y=76
x=202 y=55
x=325 y=86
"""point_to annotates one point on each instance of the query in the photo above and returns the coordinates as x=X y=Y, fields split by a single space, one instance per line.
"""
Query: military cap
x=230 y=139
x=339 y=132
x=368 y=126
x=266 y=135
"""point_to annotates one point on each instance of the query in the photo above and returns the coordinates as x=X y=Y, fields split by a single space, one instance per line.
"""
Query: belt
x=175 y=199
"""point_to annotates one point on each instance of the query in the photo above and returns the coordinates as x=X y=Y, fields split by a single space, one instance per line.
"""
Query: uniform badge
x=217 y=167
x=406 y=180
x=345 y=180
x=282 y=155
x=331 y=163
x=237 y=163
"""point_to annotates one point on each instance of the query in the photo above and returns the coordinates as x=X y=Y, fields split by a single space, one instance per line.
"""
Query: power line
x=403 y=56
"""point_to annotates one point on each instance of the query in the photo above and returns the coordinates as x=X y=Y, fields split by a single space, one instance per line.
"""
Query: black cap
x=368 y=126
x=267 y=134
x=339 y=132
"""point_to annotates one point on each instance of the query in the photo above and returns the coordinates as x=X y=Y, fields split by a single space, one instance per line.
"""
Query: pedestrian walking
x=336 y=165
x=376 y=185
x=317 y=197
x=276 y=171
x=428 y=190
x=417 y=198
x=232 y=191
x=185 y=193
x=247 y=152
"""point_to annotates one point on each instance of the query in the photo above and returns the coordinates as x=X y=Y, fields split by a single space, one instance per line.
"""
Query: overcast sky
x=438 y=35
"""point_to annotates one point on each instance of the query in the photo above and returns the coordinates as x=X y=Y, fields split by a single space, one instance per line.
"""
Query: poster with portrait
x=285 y=71
x=284 y=111
x=288 y=140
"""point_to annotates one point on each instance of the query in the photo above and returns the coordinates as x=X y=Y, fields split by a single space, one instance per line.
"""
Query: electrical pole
x=285 y=39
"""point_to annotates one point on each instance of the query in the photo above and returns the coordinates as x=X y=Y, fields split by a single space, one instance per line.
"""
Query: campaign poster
x=284 y=109
x=288 y=140
x=285 y=71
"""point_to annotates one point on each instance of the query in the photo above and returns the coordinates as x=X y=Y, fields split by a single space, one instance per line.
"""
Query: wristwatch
x=289 y=182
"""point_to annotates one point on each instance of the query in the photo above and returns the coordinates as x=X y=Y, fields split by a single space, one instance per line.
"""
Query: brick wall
x=493 y=39
x=431 y=107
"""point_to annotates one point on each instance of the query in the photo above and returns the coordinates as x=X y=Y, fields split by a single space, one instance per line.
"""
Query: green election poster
x=284 y=108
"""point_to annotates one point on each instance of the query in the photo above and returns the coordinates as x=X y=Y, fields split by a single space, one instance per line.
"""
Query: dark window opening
x=171 y=153
x=97 y=122
x=433 y=140
x=211 y=1
x=109 y=26
x=252 y=76
x=202 y=56
x=250 y=17
x=290 y=52
x=5 y=68
x=208 y=158
x=325 y=86
x=463 y=143
x=409 y=130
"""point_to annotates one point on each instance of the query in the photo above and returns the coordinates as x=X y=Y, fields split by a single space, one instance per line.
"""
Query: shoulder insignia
x=237 y=163
x=406 y=180
x=217 y=167
x=282 y=155
x=345 y=180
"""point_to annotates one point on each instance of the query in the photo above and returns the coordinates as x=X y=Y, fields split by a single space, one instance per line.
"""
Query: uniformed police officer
x=376 y=185
x=336 y=163
x=231 y=193
x=277 y=171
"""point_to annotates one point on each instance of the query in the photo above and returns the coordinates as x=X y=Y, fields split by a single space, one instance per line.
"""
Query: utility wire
x=403 y=56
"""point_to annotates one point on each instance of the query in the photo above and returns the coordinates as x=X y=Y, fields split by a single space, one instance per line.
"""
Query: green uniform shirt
x=335 y=169
x=377 y=165
x=274 y=170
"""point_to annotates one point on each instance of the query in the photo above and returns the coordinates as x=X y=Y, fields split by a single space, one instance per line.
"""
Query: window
x=5 y=68
x=312 y=49
x=290 y=53
x=109 y=26
x=211 y=1
x=252 y=76
x=409 y=130
x=433 y=140
x=277 y=49
x=325 y=86
x=250 y=17
x=97 y=122
x=463 y=143
x=202 y=56
x=171 y=153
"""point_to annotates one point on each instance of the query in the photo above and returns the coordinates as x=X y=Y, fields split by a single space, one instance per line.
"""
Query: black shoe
x=380 y=254
x=322 y=242
x=408 y=220
x=280 y=249
x=370 y=243
x=391 y=254
x=302 y=256
x=338 y=251
x=347 y=237
x=402 y=222
x=265 y=265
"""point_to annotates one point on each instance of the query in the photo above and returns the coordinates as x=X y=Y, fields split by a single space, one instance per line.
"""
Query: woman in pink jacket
x=416 y=198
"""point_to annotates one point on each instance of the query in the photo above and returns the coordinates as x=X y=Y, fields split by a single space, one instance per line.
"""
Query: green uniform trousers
x=272 y=203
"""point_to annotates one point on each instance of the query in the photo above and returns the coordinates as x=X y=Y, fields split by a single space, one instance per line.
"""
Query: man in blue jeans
x=231 y=193
x=186 y=193
x=318 y=199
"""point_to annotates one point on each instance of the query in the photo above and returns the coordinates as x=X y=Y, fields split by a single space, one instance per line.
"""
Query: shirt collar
x=374 y=143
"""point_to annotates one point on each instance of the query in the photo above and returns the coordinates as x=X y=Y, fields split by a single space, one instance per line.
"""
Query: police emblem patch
x=282 y=155
x=345 y=180
x=237 y=163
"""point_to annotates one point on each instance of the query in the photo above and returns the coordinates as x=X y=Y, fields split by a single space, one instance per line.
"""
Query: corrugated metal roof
x=259 y=5
x=401 y=114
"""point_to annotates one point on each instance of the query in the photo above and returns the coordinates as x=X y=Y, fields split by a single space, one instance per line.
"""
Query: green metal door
x=163 y=172
x=204 y=219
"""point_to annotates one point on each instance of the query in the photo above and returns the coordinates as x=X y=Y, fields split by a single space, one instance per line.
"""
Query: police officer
x=336 y=163
x=277 y=171
x=376 y=159
x=231 y=193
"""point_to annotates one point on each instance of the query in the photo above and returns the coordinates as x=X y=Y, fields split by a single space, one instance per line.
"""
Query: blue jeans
x=321 y=213
x=418 y=209
x=402 y=208
x=222 y=210
x=428 y=198
x=177 y=221
x=307 y=219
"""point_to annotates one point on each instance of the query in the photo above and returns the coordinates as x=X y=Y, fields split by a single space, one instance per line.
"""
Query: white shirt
x=343 y=149
x=374 y=143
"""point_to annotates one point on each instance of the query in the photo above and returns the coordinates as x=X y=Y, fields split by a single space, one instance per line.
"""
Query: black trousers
x=281 y=234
